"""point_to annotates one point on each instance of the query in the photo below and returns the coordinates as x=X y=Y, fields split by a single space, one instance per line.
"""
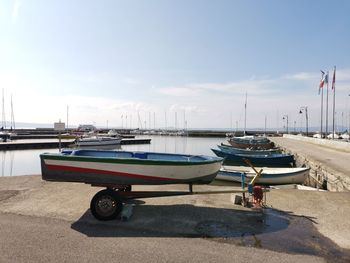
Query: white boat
x=113 y=133
x=128 y=168
x=345 y=136
x=331 y=136
x=269 y=176
x=98 y=141
x=317 y=136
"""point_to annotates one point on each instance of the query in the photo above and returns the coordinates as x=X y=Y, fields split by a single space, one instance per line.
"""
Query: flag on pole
x=333 y=81
x=324 y=80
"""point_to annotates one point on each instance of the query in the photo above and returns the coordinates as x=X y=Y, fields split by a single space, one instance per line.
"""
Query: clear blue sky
x=106 y=59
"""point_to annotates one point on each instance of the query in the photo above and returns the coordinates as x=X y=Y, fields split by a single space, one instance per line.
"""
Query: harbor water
x=27 y=162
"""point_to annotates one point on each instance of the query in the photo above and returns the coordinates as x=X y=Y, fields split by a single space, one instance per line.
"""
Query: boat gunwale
x=263 y=175
x=257 y=156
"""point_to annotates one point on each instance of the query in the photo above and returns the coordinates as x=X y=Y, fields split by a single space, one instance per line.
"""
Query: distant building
x=86 y=127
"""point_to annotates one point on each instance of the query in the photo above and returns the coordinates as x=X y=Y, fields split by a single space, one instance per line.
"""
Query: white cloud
x=15 y=10
x=258 y=87
x=342 y=75
x=131 y=81
x=303 y=76
x=204 y=104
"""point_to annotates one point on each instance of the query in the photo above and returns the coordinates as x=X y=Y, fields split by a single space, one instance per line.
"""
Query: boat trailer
x=107 y=204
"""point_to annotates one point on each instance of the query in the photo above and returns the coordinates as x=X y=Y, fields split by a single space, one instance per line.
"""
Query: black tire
x=127 y=188
x=106 y=205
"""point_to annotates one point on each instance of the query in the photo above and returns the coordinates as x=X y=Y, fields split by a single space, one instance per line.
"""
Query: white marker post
x=59 y=126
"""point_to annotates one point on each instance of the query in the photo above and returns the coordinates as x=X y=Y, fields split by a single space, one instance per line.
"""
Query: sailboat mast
x=165 y=120
x=245 y=114
x=67 y=115
x=154 y=120
x=175 y=120
x=13 y=125
x=3 y=120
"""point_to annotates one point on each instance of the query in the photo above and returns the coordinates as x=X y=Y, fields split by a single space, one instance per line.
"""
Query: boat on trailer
x=269 y=176
x=128 y=168
x=119 y=170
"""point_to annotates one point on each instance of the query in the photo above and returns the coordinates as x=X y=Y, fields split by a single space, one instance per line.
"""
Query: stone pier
x=329 y=160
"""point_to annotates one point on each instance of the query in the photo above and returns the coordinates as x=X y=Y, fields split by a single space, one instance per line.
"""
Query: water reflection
x=7 y=160
x=27 y=162
x=21 y=162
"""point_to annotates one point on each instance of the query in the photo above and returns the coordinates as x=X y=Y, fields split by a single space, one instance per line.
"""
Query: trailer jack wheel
x=106 y=205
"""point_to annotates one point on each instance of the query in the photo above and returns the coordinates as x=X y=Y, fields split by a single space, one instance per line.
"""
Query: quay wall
x=321 y=175
x=339 y=145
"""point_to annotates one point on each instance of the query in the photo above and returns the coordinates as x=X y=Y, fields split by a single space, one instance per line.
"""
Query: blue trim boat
x=269 y=160
x=231 y=149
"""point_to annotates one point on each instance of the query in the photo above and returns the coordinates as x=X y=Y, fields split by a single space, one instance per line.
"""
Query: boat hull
x=126 y=171
x=271 y=160
x=260 y=146
x=278 y=177
x=231 y=149
x=98 y=142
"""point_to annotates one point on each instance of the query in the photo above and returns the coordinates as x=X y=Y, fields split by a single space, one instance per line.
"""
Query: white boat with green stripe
x=128 y=168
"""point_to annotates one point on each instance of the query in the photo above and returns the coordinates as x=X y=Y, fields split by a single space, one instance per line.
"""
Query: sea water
x=27 y=162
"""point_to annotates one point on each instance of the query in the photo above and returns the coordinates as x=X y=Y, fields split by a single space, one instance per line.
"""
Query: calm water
x=27 y=162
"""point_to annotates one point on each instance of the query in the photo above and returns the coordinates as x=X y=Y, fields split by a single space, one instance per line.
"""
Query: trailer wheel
x=106 y=205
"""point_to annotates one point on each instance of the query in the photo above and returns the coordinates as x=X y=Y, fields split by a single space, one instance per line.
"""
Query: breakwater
x=13 y=145
x=328 y=160
x=129 y=133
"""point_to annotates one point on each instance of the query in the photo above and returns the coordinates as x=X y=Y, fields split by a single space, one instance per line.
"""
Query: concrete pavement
x=51 y=222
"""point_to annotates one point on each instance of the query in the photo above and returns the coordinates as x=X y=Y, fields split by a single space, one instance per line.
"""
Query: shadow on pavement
x=274 y=230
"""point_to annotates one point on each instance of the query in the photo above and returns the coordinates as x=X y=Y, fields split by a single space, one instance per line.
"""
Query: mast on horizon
x=3 y=120
x=245 y=114
x=165 y=120
x=13 y=125
x=67 y=115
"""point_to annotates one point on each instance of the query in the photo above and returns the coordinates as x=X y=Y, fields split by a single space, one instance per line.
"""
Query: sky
x=157 y=63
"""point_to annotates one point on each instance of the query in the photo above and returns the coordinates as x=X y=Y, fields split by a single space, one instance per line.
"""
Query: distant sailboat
x=13 y=125
x=6 y=135
x=3 y=120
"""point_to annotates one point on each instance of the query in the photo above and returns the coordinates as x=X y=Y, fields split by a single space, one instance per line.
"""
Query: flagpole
x=327 y=107
x=322 y=113
x=323 y=79
x=333 y=88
